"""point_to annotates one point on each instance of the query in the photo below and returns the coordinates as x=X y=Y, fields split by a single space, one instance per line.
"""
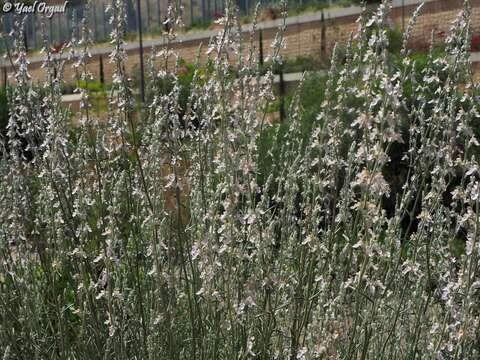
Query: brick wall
x=302 y=37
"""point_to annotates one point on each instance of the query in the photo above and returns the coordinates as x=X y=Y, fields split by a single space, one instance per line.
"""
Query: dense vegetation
x=196 y=228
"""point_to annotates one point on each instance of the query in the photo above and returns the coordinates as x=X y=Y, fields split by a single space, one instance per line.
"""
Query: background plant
x=194 y=228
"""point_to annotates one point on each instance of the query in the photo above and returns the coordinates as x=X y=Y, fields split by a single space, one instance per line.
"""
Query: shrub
x=148 y=237
x=3 y=112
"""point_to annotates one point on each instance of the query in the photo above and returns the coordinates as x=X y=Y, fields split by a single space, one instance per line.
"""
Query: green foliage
x=395 y=40
x=312 y=96
x=359 y=2
x=347 y=231
x=300 y=64
x=3 y=111
x=185 y=76
x=93 y=86
x=199 y=25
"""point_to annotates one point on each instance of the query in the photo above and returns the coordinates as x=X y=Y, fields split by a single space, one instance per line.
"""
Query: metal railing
x=196 y=14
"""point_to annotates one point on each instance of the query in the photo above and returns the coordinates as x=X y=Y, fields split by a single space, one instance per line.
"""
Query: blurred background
x=197 y=14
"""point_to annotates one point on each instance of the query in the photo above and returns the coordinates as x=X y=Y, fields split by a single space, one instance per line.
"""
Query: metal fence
x=196 y=13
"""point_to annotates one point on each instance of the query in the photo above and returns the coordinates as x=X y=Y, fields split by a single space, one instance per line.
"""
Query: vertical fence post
x=209 y=11
x=132 y=23
x=323 y=36
x=147 y=8
x=50 y=31
x=159 y=15
x=204 y=13
x=59 y=29
x=34 y=32
x=68 y=20
x=29 y=29
x=139 y=25
x=180 y=9
x=191 y=13
x=94 y=16
x=25 y=36
x=68 y=26
x=4 y=29
x=101 y=71
x=104 y=21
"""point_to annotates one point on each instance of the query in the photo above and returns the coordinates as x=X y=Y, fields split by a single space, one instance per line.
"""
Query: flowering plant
x=173 y=232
